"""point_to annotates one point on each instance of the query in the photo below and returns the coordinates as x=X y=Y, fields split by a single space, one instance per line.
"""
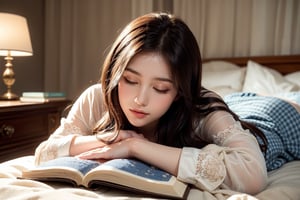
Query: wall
x=29 y=71
x=80 y=53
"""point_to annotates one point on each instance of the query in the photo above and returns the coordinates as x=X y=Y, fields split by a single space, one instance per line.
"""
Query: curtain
x=234 y=28
x=78 y=35
x=80 y=32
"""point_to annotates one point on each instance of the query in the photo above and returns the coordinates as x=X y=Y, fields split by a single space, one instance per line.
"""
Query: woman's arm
x=161 y=156
x=81 y=144
x=233 y=160
x=78 y=125
x=234 y=156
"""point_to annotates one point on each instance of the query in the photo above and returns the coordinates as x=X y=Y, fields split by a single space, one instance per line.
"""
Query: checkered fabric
x=279 y=121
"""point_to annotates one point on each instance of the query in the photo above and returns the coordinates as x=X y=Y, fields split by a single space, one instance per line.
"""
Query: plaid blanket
x=279 y=121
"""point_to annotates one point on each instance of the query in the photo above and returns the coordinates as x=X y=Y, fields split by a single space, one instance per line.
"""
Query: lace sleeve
x=233 y=161
x=80 y=121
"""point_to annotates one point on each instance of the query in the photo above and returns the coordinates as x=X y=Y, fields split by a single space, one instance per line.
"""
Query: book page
x=83 y=166
x=138 y=168
x=64 y=169
x=130 y=174
x=136 y=175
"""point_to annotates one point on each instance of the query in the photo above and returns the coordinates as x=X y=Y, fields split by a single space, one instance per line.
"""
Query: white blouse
x=233 y=160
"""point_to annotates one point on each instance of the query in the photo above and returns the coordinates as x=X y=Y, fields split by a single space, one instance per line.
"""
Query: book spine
x=40 y=99
x=43 y=94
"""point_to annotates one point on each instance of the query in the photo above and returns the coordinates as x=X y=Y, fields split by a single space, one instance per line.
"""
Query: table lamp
x=14 y=41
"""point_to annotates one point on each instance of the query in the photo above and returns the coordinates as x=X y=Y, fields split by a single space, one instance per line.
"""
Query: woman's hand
x=86 y=143
x=120 y=149
x=123 y=134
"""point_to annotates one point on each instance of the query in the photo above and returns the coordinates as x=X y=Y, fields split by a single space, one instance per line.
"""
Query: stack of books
x=42 y=97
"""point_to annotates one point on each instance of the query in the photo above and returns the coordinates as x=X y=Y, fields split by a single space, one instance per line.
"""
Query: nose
x=142 y=98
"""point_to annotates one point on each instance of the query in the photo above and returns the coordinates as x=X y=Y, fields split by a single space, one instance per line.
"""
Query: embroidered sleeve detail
x=221 y=136
x=209 y=167
x=204 y=168
x=58 y=143
x=50 y=154
x=68 y=128
x=53 y=148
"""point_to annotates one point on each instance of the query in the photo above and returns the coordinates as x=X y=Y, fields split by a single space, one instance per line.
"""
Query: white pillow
x=262 y=80
x=293 y=78
x=222 y=77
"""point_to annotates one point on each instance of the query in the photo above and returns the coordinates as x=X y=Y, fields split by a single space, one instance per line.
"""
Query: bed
x=267 y=75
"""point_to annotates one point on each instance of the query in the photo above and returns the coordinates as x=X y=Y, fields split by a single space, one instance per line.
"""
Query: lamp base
x=9 y=96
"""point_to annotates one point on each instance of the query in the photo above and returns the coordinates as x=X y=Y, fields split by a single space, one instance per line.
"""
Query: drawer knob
x=7 y=130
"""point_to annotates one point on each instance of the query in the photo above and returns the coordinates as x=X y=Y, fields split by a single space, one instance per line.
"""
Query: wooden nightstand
x=23 y=126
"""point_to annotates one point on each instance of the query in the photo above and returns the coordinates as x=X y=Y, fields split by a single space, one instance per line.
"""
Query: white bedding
x=283 y=184
x=222 y=77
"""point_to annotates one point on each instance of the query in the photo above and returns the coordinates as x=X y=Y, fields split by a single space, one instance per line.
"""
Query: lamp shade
x=14 y=35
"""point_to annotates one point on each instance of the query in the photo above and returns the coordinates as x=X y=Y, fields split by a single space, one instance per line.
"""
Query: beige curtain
x=78 y=35
x=79 y=32
x=243 y=27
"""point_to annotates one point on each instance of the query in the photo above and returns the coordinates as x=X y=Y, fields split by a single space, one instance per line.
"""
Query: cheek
x=124 y=93
x=162 y=104
x=121 y=92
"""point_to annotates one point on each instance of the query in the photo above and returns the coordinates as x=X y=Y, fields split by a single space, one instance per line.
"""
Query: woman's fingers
x=115 y=150
x=123 y=135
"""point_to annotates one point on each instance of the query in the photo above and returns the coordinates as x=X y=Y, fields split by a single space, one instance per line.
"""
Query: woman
x=150 y=105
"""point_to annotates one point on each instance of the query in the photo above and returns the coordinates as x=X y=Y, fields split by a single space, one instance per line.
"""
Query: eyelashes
x=161 y=91
x=132 y=82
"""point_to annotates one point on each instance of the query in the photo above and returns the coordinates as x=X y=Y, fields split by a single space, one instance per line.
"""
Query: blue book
x=127 y=174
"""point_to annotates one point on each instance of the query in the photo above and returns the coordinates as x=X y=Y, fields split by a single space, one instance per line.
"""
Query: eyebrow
x=158 y=78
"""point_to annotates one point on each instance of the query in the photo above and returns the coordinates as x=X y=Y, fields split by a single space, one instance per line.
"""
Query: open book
x=128 y=174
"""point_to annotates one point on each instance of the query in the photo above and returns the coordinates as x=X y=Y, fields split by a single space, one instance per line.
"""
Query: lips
x=138 y=114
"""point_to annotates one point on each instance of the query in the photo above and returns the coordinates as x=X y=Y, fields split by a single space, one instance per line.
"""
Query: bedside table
x=23 y=126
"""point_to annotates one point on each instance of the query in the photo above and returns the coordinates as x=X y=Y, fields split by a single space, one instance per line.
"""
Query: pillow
x=222 y=77
x=293 y=78
x=262 y=80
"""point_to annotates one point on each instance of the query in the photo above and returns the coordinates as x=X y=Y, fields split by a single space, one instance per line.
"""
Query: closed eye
x=131 y=82
x=162 y=91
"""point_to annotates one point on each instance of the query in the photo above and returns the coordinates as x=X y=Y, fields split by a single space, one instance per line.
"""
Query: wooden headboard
x=283 y=64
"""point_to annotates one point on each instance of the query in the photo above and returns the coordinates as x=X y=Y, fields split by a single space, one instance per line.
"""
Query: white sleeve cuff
x=202 y=168
x=63 y=146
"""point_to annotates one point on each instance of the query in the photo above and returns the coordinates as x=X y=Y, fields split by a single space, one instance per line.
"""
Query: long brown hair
x=171 y=37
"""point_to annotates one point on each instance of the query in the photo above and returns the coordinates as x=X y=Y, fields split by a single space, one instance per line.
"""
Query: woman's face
x=146 y=90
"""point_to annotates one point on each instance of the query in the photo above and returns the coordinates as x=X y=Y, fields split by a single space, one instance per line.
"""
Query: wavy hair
x=170 y=37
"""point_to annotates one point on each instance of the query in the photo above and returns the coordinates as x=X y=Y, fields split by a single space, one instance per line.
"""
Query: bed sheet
x=283 y=183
